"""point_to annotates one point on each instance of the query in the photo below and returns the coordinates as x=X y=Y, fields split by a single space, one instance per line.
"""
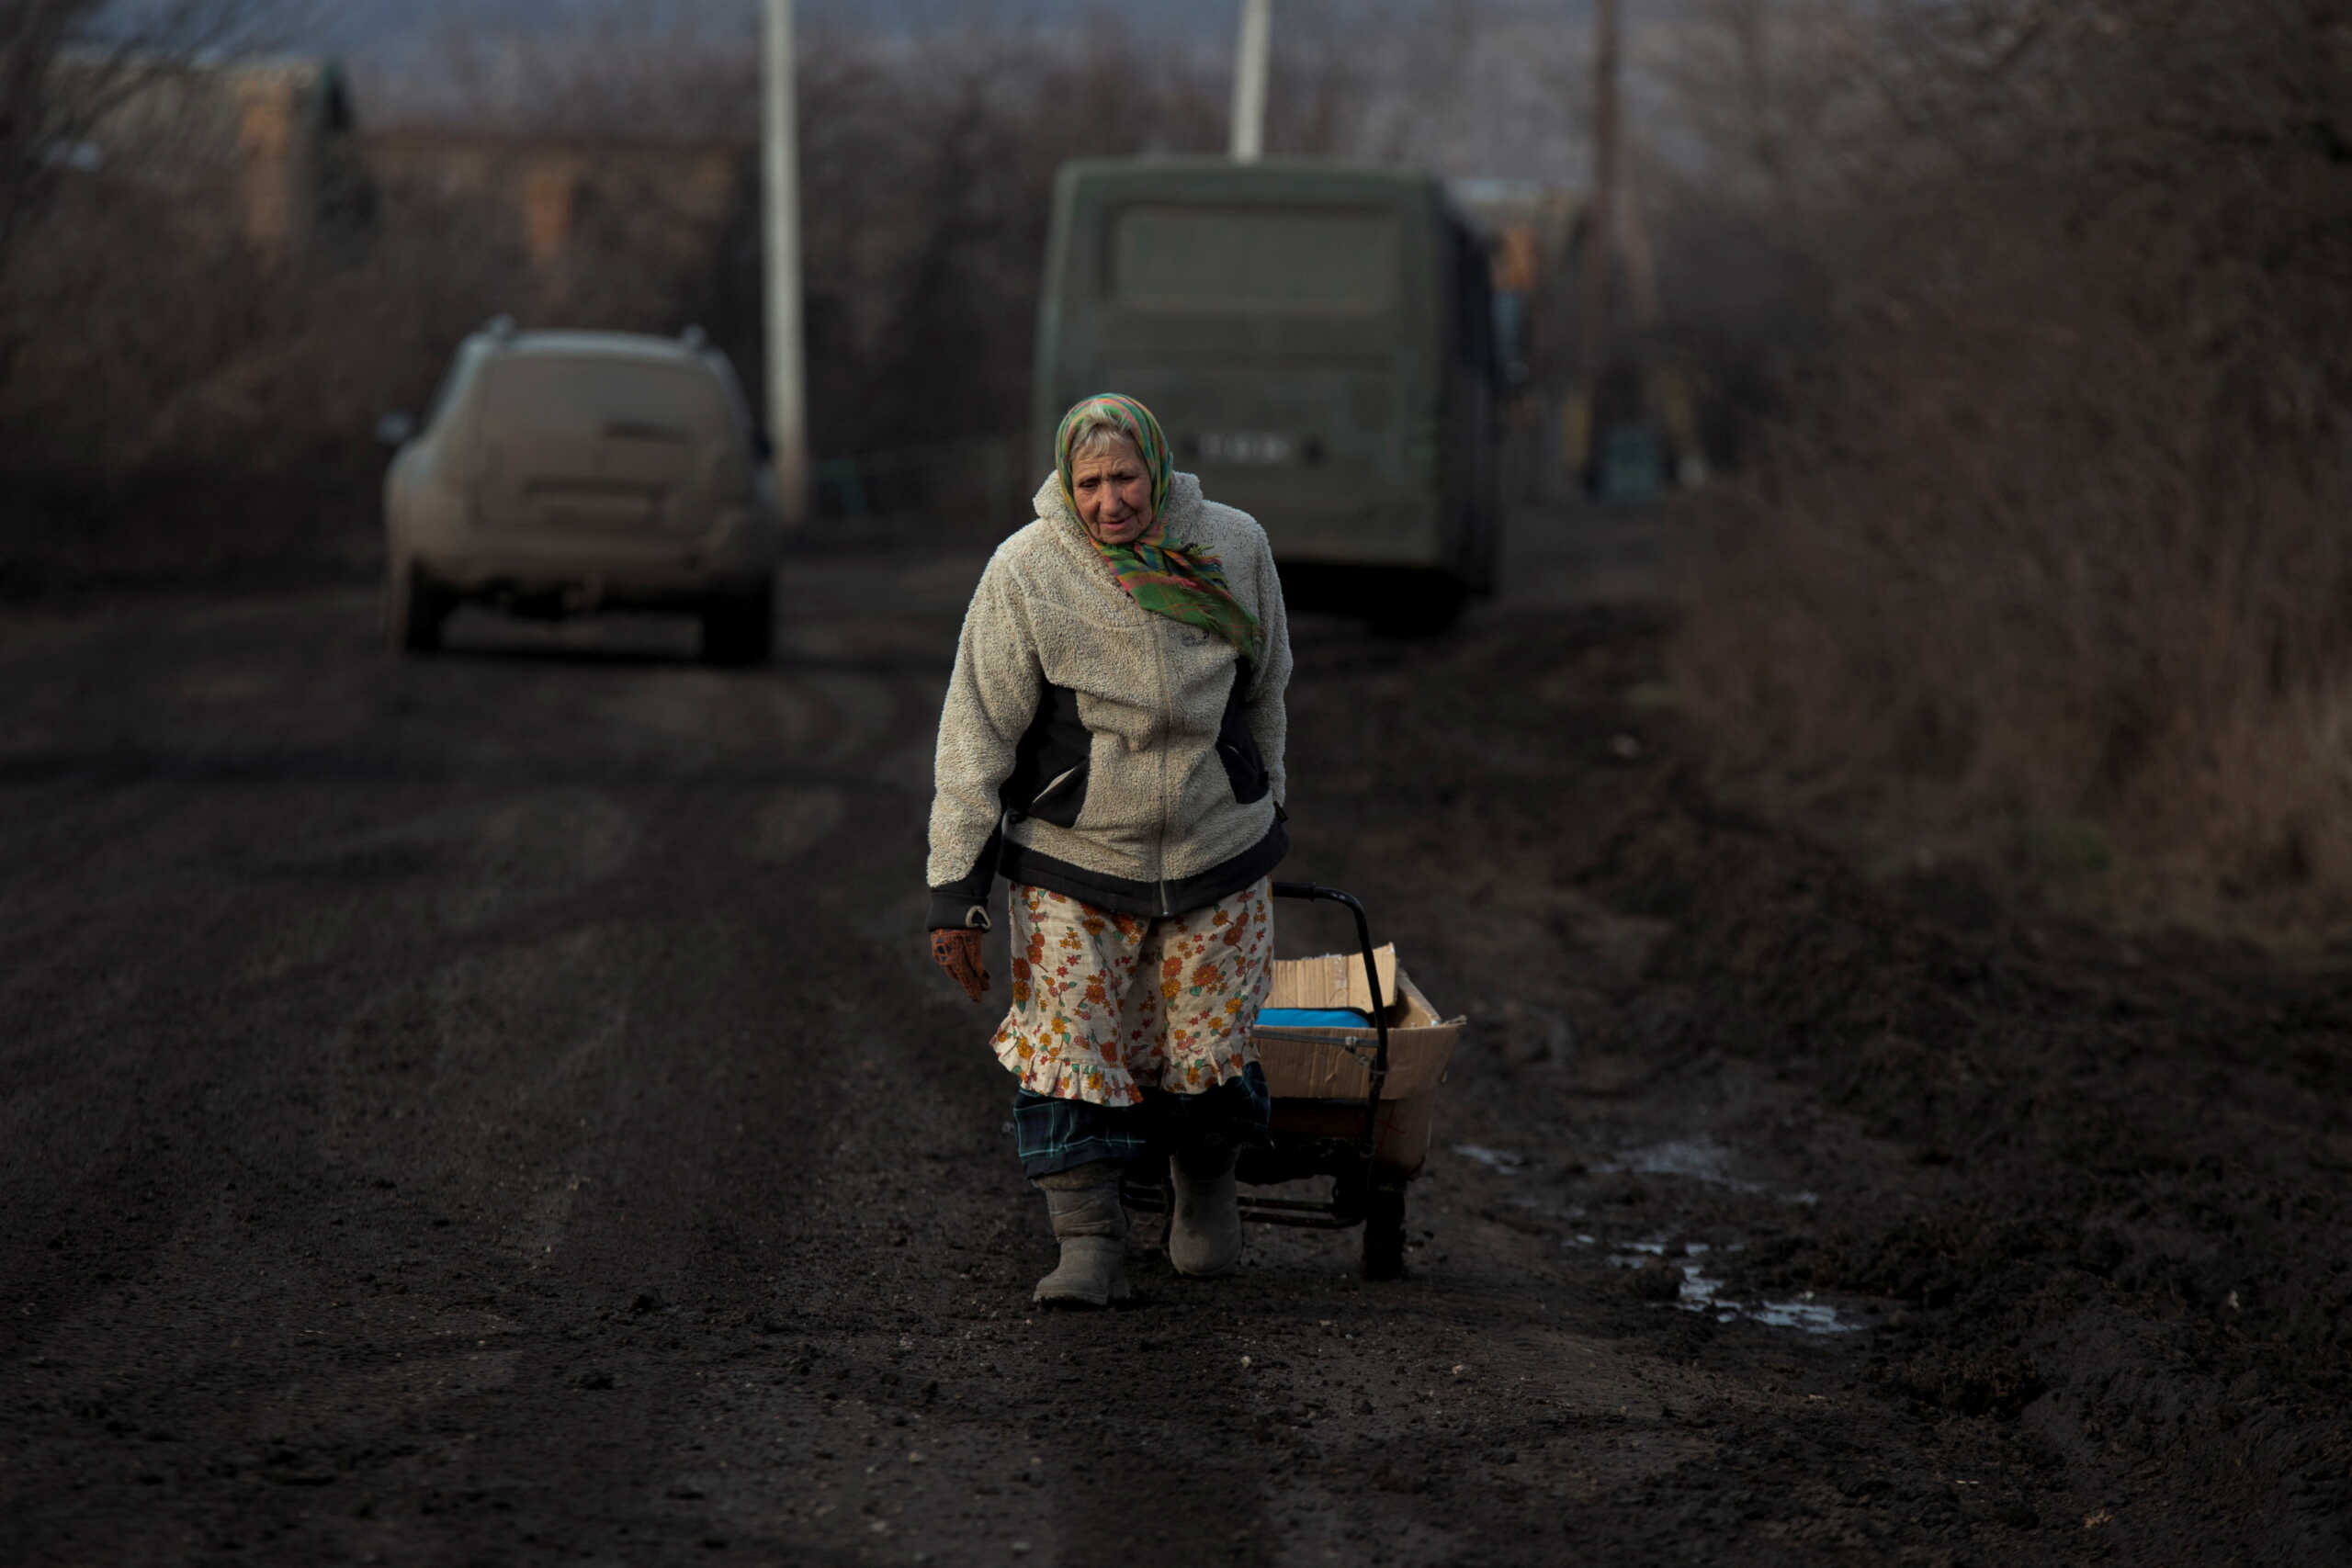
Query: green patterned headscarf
x=1165 y=579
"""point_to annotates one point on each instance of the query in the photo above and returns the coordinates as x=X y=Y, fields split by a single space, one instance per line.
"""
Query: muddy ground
x=495 y=1109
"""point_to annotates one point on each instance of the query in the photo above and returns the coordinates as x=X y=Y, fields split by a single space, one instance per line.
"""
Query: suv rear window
x=548 y=391
x=1338 y=262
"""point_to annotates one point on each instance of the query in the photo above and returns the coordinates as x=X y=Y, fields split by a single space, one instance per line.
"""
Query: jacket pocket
x=1238 y=750
x=1062 y=799
x=1049 y=765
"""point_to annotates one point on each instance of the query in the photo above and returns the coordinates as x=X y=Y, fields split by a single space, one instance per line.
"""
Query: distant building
x=269 y=151
x=568 y=200
x=265 y=144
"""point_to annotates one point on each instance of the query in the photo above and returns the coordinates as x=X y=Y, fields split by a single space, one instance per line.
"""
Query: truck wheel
x=739 y=630
x=1383 y=1233
x=1418 y=604
x=1487 y=566
x=414 y=607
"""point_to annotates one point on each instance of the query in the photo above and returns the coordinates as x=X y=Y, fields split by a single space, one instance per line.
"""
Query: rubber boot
x=1205 y=1231
x=1092 y=1228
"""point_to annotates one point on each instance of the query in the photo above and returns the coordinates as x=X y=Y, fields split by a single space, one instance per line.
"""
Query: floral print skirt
x=1106 y=1006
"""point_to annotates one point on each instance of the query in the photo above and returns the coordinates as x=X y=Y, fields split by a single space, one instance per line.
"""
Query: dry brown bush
x=182 y=405
x=2048 y=557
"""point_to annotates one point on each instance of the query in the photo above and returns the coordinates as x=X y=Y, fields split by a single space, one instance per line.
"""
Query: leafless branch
x=47 y=110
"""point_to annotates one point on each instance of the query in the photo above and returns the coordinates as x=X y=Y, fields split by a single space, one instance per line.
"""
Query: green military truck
x=1317 y=340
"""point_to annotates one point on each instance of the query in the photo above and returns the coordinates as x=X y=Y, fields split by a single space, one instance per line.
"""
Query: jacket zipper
x=1167 y=719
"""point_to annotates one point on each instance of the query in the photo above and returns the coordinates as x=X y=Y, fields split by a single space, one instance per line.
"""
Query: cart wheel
x=1383 y=1233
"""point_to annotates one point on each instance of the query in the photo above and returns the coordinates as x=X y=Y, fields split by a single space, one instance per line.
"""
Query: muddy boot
x=1204 y=1230
x=1093 y=1229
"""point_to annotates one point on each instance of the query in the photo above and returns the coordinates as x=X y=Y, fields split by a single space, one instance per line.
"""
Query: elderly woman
x=1113 y=742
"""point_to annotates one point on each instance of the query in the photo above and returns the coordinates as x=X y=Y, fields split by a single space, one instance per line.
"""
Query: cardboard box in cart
x=1318 y=1077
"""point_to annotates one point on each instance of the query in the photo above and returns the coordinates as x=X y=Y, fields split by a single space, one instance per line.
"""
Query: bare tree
x=614 y=70
x=32 y=34
x=47 y=113
x=2074 y=403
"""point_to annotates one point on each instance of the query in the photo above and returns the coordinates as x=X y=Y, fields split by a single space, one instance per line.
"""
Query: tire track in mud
x=525 y=903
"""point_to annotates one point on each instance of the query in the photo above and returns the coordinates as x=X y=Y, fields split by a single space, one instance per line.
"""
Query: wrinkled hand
x=958 y=952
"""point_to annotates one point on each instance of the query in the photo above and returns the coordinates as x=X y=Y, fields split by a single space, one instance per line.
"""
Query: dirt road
x=495 y=1109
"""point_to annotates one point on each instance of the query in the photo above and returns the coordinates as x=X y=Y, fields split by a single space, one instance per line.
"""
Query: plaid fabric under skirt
x=1059 y=1134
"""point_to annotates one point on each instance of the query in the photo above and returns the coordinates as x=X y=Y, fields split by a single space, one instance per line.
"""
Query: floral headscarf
x=1165 y=579
x=1133 y=420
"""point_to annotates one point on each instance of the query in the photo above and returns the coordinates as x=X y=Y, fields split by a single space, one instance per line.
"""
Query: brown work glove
x=958 y=952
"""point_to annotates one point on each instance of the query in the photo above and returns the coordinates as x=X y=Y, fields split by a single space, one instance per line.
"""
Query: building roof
x=319 y=78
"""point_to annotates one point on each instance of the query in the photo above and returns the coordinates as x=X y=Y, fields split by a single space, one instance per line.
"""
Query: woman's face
x=1112 y=489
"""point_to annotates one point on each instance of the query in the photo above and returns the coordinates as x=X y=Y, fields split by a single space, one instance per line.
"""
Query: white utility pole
x=1601 y=206
x=780 y=172
x=1250 y=80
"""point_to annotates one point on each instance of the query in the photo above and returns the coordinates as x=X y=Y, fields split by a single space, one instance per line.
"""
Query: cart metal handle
x=1310 y=890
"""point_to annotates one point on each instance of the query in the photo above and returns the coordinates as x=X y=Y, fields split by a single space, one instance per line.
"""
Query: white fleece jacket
x=1092 y=748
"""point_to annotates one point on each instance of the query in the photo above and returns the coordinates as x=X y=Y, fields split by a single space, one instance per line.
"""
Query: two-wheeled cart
x=1352 y=1100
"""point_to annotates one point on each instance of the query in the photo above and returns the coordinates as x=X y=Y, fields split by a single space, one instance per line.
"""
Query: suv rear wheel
x=739 y=629
x=414 y=607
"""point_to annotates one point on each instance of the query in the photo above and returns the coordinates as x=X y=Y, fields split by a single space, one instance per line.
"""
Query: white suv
x=564 y=472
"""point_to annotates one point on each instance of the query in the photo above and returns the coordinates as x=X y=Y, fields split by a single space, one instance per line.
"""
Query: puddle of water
x=1493 y=1159
x=1702 y=1160
x=1806 y=1316
x=1811 y=1317
x=1700 y=1293
x=1699 y=1159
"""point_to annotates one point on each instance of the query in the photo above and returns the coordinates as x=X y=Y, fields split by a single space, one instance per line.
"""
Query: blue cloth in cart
x=1314 y=1018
